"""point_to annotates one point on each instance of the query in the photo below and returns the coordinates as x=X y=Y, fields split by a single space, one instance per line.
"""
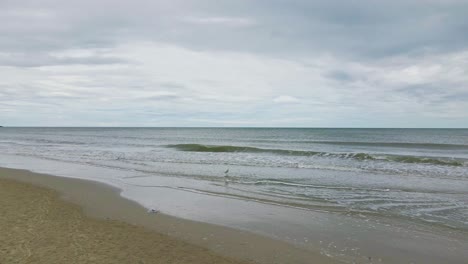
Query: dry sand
x=48 y=219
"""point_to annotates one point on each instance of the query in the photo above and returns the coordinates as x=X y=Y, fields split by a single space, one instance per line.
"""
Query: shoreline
x=104 y=202
x=243 y=229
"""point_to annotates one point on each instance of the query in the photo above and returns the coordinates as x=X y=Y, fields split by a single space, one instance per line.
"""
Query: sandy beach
x=37 y=227
x=48 y=219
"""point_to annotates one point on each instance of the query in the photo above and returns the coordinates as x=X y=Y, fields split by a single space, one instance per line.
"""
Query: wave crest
x=356 y=156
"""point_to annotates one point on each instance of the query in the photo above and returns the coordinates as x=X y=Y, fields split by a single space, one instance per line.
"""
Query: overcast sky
x=300 y=63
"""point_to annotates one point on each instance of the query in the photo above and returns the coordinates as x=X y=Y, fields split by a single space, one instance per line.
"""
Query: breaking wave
x=356 y=156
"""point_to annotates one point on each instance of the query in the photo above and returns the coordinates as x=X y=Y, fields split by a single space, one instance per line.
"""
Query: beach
x=48 y=219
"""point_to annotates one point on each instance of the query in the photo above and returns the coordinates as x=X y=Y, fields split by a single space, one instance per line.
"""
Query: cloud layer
x=234 y=63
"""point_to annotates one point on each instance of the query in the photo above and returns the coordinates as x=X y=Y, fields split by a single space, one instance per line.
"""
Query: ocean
x=418 y=176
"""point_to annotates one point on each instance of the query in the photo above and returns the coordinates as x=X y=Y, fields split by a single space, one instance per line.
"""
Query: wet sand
x=49 y=219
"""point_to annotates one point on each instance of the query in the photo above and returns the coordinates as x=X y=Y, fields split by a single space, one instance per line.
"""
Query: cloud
x=144 y=63
x=38 y=60
x=222 y=21
x=285 y=99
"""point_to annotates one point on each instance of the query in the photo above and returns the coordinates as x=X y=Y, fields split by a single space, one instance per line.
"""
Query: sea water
x=417 y=174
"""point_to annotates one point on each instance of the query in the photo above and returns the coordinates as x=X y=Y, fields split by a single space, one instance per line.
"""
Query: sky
x=237 y=63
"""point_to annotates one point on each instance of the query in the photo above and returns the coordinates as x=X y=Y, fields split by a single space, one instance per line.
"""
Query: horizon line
x=291 y=127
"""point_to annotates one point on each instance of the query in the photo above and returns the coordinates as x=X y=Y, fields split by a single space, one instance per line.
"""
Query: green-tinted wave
x=216 y=148
x=411 y=159
x=356 y=156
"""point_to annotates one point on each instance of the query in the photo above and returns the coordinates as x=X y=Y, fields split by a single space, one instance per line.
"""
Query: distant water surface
x=417 y=174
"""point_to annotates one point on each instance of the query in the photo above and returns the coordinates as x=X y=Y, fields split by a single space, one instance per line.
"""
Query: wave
x=371 y=144
x=356 y=156
x=395 y=144
x=411 y=159
x=218 y=148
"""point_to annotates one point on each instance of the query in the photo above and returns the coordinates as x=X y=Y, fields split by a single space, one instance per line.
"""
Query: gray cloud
x=353 y=28
x=339 y=76
x=37 y=60
x=211 y=61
